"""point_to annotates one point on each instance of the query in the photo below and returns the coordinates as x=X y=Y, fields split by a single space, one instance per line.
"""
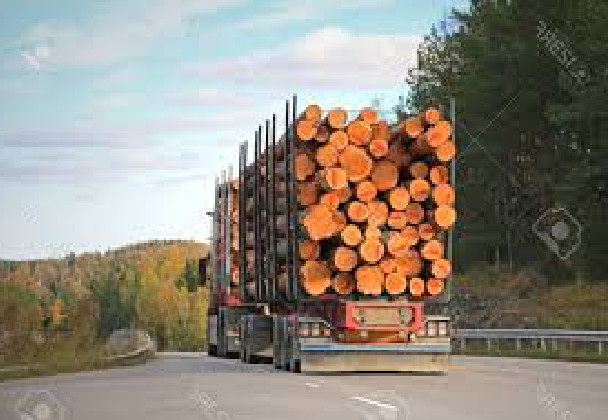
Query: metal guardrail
x=542 y=338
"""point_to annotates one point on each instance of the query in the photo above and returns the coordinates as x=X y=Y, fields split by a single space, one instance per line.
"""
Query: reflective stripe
x=414 y=347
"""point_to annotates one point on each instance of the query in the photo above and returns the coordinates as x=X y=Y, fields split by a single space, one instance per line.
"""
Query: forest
x=530 y=82
x=81 y=299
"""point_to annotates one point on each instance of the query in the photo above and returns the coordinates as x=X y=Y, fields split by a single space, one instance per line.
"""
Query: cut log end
x=434 y=286
x=377 y=213
x=395 y=283
x=313 y=113
x=336 y=178
x=432 y=250
x=366 y=191
x=315 y=277
x=344 y=259
x=351 y=235
x=308 y=250
x=338 y=139
x=369 y=279
x=445 y=216
x=420 y=189
x=357 y=212
x=337 y=118
x=306 y=130
x=356 y=162
x=439 y=134
x=416 y=286
x=359 y=132
x=343 y=283
x=305 y=166
x=432 y=116
x=371 y=250
x=443 y=194
x=413 y=126
x=441 y=268
x=439 y=175
x=419 y=170
x=399 y=198
x=446 y=151
x=327 y=156
x=369 y=115
x=385 y=175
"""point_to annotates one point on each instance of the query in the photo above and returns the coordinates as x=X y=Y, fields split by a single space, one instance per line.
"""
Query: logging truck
x=331 y=247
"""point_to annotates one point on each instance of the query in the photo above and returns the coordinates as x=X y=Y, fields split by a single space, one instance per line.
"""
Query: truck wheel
x=295 y=368
x=211 y=350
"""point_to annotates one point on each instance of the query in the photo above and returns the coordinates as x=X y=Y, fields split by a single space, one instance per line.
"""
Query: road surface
x=200 y=387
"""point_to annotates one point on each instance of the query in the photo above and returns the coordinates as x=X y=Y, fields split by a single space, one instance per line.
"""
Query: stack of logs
x=377 y=202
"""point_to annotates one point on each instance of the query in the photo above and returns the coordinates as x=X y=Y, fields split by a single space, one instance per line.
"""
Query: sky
x=117 y=115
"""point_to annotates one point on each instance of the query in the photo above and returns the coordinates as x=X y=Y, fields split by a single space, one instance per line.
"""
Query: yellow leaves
x=57 y=315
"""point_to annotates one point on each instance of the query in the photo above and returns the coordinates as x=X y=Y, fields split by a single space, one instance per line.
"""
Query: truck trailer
x=260 y=306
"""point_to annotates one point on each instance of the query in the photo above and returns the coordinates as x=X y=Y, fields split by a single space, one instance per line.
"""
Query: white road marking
x=376 y=403
x=312 y=384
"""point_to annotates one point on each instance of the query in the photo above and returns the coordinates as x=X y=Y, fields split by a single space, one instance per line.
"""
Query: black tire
x=296 y=368
x=212 y=350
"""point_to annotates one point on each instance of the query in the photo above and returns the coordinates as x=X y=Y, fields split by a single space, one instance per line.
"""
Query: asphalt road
x=201 y=387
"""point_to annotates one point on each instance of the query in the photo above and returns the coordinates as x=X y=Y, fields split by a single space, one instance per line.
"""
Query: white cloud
x=330 y=57
x=213 y=97
x=115 y=31
x=283 y=12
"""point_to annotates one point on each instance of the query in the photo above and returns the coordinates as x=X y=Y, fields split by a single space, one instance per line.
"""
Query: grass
x=64 y=356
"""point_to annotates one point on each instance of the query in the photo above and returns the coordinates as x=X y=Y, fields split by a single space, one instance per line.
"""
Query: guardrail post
x=518 y=344
x=463 y=344
x=554 y=345
x=543 y=345
x=489 y=342
x=600 y=347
